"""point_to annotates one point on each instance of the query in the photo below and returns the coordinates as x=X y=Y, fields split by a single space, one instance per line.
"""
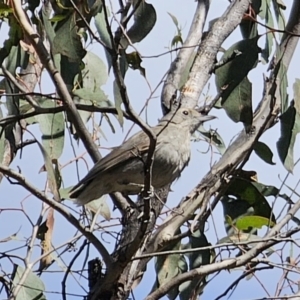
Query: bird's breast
x=170 y=160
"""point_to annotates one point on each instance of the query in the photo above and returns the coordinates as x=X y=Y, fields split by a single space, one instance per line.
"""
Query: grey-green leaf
x=264 y=152
x=52 y=127
x=67 y=41
x=144 y=21
x=32 y=288
x=290 y=127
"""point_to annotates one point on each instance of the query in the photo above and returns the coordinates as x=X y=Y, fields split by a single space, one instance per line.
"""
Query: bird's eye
x=185 y=112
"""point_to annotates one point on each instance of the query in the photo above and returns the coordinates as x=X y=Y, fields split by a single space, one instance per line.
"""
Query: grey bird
x=122 y=170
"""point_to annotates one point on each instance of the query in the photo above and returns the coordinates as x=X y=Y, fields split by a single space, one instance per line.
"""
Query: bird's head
x=187 y=118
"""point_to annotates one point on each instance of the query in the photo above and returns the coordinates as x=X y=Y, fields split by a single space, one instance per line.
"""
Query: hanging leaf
x=264 y=152
x=144 y=21
x=52 y=127
x=296 y=89
x=266 y=14
x=282 y=76
x=278 y=6
x=231 y=79
x=247 y=201
x=238 y=104
x=178 y=37
x=169 y=266
x=52 y=178
x=118 y=103
x=248 y=26
x=290 y=127
x=2 y=140
x=32 y=288
x=196 y=259
x=94 y=73
x=237 y=62
x=174 y=19
x=104 y=34
x=67 y=41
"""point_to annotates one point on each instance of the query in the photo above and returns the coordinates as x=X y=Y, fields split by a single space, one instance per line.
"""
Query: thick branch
x=208 y=49
x=179 y=64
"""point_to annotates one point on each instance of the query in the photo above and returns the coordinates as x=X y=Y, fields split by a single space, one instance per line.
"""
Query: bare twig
x=59 y=208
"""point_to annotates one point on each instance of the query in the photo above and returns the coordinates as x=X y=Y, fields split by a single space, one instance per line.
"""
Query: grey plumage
x=122 y=170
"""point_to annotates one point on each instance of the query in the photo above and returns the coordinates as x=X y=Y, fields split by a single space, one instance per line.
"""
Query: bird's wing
x=134 y=147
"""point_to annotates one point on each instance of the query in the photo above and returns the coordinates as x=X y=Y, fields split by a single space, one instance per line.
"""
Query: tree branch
x=56 y=78
x=265 y=118
x=229 y=263
x=179 y=64
x=60 y=208
x=208 y=50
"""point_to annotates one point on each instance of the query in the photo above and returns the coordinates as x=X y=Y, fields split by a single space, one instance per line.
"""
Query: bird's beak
x=205 y=118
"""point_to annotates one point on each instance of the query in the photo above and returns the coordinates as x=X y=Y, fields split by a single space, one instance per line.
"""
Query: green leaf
x=266 y=14
x=269 y=190
x=58 y=18
x=32 y=288
x=52 y=177
x=278 y=6
x=266 y=190
x=167 y=267
x=118 y=103
x=11 y=46
x=2 y=140
x=282 y=74
x=237 y=61
x=52 y=127
x=177 y=39
x=48 y=26
x=264 y=152
x=196 y=259
x=24 y=108
x=144 y=21
x=238 y=104
x=248 y=200
x=296 y=89
x=290 y=127
x=247 y=26
x=104 y=34
x=67 y=41
x=94 y=73
x=5 y=10
x=91 y=97
x=231 y=80
x=257 y=222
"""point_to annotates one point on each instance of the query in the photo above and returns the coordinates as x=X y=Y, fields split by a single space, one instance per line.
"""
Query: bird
x=122 y=170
